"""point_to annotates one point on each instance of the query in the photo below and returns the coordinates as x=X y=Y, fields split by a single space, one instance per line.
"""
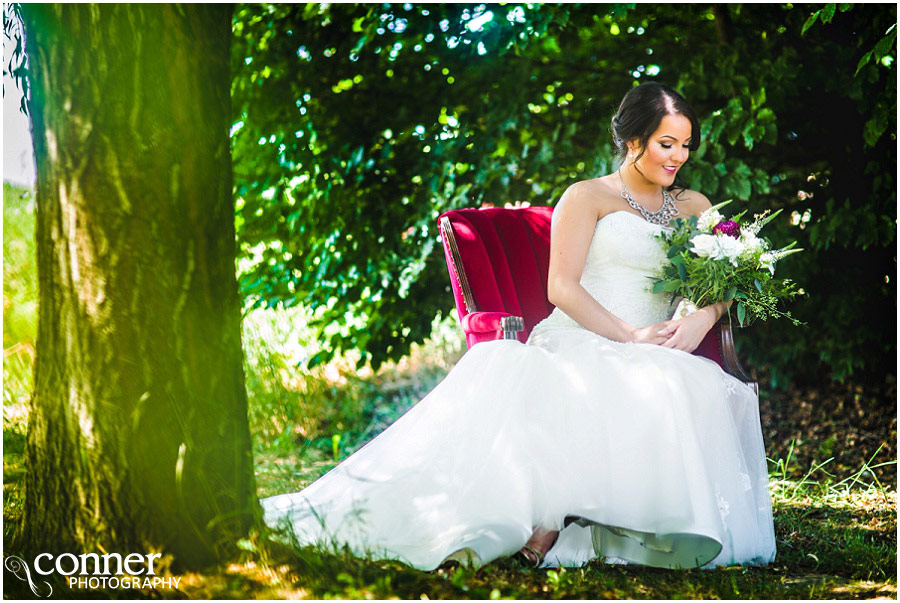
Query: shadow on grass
x=832 y=542
x=857 y=543
x=830 y=545
x=841 y=549
x=310 y=573
x=13 y=480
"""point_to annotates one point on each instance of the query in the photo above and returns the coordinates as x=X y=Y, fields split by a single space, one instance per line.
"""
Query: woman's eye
x=667 y=146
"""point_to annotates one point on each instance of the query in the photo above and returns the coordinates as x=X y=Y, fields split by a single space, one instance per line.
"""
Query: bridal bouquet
x=713 y=259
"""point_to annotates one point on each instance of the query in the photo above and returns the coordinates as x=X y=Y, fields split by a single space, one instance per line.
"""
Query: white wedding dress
x=659 y=451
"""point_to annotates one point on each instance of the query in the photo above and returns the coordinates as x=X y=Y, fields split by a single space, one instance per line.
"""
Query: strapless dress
x=658 y=452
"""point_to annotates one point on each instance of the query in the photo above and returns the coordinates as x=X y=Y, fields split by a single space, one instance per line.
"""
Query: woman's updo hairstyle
x=640 y=112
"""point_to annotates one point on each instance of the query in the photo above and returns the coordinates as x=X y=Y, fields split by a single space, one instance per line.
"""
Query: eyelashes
x=668 y=146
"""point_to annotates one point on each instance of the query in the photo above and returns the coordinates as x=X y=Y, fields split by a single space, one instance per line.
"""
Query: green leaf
x=732 y=133
x=741 y=313
x=884 y=46
x=317 y=359
x=770 y=217
x=246 y=545
x=758 y=99
x=828 y=13
x=758 y=285
x=742 y=170
x=809 y=22
x=729 y=295
x=771 y=133
x=874 y=129
x=671 y=286
x=658 y=286
x=765 y=115
x=748 y=141
x=862 y=62
x=360 y=43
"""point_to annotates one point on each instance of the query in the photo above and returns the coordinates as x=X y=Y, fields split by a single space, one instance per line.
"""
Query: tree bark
x=724 y=26
x=138 y=437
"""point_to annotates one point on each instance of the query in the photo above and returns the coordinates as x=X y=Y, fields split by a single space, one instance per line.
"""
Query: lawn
x=832 y=474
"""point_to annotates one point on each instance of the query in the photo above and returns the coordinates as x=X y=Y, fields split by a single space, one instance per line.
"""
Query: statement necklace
x=662 y=216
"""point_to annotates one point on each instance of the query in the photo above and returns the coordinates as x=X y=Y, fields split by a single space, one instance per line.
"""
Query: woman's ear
x=632 y=149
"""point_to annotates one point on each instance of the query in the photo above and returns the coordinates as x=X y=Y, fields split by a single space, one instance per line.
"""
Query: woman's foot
x=538 y=545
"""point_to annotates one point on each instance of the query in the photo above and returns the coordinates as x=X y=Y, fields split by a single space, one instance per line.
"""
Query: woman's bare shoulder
x=690 y=202
x=588 y=196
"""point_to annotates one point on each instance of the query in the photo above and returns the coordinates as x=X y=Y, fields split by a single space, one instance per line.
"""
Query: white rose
x=729 y=248
x=708 y=219
x=705 y=245
x=717 y=247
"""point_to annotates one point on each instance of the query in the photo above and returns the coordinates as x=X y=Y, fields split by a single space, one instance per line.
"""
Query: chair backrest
x=501 y=257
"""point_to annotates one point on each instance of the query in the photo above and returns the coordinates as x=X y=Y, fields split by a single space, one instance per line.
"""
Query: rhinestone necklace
x=662 y=216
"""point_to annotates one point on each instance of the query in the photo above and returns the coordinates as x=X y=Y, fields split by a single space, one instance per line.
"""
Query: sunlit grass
x=842 y=547
x=19 y=333
x=832 y=543
x=304 y=421
x=19 y=297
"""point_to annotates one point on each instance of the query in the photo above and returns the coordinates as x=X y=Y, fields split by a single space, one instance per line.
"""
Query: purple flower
x=728 y=227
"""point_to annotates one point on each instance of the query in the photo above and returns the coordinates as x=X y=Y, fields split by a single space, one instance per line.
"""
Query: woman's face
x=667 y=150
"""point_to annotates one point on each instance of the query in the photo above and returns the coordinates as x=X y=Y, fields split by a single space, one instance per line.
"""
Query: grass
x=19 y=334
x=304 y=421
x=835 y=523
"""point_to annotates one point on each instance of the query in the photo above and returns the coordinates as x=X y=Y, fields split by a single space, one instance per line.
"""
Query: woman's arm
x=687 y=333
x=572 y=228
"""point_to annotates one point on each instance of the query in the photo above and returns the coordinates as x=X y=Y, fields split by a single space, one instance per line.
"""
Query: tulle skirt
x=658 y=452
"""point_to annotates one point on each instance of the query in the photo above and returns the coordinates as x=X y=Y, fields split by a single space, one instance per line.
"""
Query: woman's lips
x=670 y=170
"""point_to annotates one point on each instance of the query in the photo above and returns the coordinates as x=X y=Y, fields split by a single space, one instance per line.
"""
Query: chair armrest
x=501 y=323
x=729 y=354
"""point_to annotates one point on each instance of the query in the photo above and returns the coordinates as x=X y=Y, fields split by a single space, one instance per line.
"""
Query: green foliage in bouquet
x=713 y=260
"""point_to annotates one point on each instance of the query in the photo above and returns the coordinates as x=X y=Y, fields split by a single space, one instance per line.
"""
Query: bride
x=602 y=436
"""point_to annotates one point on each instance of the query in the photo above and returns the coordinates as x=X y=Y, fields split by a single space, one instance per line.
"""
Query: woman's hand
x=656 y=334
x=686 y=333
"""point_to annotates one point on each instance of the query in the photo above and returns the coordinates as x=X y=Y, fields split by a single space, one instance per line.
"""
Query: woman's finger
x=668 y=329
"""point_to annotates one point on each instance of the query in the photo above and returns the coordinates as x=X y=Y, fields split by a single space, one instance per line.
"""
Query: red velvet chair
x=498 y=259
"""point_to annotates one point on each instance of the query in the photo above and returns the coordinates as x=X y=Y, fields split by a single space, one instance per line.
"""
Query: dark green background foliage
x=357 y=125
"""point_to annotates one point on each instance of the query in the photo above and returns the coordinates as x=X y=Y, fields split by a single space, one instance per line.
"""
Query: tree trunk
x=138 y=437
x=724 y=26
